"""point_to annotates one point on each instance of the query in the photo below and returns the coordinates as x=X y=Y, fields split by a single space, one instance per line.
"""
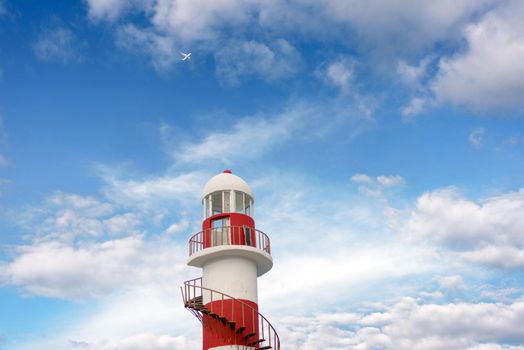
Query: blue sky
x=384 y=142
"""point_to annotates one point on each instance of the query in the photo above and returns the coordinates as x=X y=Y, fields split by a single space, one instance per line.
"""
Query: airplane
x=185 y=56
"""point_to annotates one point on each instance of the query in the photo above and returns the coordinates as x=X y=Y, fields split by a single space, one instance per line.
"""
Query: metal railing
x=229 y=235
x=247 y=328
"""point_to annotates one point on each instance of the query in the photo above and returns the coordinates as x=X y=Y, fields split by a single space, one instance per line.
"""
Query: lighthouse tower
x=232 y=254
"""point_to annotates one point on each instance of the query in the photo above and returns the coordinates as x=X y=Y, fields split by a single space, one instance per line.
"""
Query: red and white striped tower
x=232 y=254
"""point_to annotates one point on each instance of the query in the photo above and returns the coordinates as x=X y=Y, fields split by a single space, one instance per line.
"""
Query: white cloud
x=451 y=282
x=408 y=324
x=487 y=232
x=375 y=187
x=177 y=227
x=112 y=9
x=389 y=181
x=362 y=178
x=274 y=61
x=62 y=271
x=89 y=204
x=338 y=73
x=387 y=22
x=412 y=76
x=206 y=26
x=58 y=44
x=490 y=73
x=416 y=106
x=123 y=223
x=476 y=137
x=65 y=217
x=200 y=20
x=152 y=192
x=160 y=48
x=72 y=253
x=85 y=270
x=246 y=138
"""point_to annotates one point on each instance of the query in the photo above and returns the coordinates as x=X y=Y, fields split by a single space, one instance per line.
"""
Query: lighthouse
x=232 y=254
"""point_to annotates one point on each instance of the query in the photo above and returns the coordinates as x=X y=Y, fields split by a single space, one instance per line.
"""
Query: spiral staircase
x=248 y=328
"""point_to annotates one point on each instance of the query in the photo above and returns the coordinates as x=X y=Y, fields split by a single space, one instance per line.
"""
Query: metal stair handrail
x=265 y=328
x=229 y=235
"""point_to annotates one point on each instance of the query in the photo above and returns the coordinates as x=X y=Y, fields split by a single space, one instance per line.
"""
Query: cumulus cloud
x=408 y=324
x=58 y=44
x=489 y=74
x=487 y=232
x=387 y=22
x=59 y=270
x=200 y=24
x=72 y=251
x=273 y=61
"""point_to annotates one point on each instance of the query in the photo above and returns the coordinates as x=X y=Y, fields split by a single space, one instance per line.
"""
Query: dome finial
x=227 y=171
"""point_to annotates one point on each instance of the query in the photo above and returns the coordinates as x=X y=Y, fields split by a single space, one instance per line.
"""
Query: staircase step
x=241 y=329
x=265 y=347
x=256 y=342
x=247 y=336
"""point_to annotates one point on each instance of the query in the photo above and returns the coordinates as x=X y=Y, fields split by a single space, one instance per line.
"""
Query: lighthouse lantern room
x=232 y=254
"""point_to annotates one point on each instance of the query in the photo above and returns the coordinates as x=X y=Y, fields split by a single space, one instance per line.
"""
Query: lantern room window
x=216 y=203
x=248 y=202
x=226 y=202
x=239 y=202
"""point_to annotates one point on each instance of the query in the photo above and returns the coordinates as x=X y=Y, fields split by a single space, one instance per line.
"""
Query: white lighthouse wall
x=231 y=347
x=232 y=275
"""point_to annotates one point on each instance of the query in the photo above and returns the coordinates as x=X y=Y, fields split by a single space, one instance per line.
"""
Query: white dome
x=226 y=181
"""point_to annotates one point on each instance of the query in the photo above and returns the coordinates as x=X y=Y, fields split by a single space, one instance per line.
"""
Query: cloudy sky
x=384 y=141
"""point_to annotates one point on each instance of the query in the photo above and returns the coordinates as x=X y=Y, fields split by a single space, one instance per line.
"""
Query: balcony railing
x=229 y=235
